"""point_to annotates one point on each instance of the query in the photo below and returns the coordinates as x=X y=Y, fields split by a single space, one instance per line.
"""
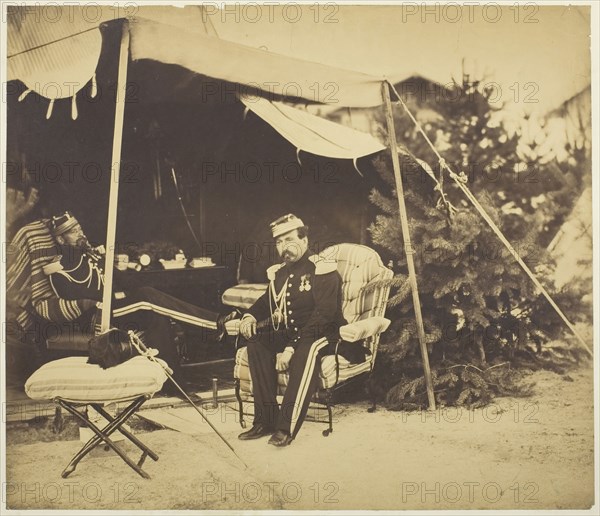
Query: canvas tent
x=40 y=52
x=63 y=53
x=306 y=133
x=571 y=247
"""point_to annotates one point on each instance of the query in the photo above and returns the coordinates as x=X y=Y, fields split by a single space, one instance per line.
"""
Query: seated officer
x=76 y=274
x=301 y=305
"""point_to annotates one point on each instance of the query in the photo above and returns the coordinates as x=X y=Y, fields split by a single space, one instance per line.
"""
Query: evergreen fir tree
x=482 y=314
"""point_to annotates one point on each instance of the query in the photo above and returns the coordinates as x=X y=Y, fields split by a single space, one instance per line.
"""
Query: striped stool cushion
x=73 y=379
x=244 y=295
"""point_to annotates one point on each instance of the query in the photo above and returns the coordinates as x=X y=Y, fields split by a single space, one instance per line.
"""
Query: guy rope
x=463 y=187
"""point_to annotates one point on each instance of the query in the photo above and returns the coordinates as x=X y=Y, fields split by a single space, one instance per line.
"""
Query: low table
x=202 y=286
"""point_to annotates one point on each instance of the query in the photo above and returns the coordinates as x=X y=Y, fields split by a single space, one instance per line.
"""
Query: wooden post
x=412 y=275
x=113 y=199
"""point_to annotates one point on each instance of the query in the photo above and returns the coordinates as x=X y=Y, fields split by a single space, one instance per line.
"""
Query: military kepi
x=62 y=223
x=285 y=224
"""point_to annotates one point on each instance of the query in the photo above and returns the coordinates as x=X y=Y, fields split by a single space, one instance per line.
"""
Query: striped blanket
x=28 y=287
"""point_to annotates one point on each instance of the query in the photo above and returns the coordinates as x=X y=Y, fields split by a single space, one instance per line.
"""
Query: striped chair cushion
x=347 y=370
x=358 y=266
x=73 y=379
x=244 y=295
x=326 y=375
x=363 y=308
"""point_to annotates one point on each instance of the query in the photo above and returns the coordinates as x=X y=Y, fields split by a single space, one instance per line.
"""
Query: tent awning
x=274 y=73
x=311 y=133
x=64 y=51
x=54 y=50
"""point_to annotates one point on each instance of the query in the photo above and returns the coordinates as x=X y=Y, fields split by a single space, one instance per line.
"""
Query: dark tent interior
x=235 y=173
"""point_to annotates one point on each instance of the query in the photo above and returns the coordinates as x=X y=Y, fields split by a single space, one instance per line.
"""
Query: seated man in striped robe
x=69 y=287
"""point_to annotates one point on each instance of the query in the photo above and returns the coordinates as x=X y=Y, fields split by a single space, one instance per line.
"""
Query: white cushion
x=73 y=379
x=362 y=329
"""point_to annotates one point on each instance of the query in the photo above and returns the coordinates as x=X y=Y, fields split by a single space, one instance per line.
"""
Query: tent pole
x=111 y=225
x=412 y=275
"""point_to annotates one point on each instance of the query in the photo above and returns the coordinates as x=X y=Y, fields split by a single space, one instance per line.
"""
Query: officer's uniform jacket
x=76 y=274
x=310 y=291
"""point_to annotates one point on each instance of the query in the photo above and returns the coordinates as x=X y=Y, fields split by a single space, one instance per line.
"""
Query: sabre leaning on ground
x=143 y=350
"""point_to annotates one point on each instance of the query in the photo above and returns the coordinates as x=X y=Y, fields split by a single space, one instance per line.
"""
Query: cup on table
x=121 y=261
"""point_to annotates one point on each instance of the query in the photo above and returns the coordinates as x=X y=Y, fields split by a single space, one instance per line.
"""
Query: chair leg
x=103 y=435
x=372 y=393
x=328 y=397
x=240 y=403
x=328 y=430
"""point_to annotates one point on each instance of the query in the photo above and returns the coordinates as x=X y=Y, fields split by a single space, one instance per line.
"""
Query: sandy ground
x=533 y=453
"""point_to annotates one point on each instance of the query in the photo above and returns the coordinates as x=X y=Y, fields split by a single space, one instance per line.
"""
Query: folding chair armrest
x=359 y=330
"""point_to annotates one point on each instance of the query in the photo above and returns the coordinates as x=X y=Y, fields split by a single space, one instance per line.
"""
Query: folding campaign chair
x=74 y=384
x=364 y=300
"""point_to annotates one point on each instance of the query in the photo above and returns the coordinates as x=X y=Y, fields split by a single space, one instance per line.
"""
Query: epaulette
x=272 y=270
x=323 y=265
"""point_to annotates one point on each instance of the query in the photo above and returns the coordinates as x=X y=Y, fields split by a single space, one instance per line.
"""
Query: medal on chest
x=305 y=285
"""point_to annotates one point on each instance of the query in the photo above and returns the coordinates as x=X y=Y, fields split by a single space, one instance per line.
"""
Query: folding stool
x=74 y=384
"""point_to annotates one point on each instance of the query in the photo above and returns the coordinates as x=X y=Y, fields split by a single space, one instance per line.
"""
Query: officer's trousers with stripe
x=304 y=368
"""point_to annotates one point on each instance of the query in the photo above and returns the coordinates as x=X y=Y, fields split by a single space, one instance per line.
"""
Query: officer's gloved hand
x=283 y=359
x=248 y=326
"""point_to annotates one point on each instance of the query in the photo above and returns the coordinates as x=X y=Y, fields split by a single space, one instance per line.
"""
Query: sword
x=143 y=350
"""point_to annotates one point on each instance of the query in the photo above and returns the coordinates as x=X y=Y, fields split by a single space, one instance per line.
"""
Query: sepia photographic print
x=299 y=256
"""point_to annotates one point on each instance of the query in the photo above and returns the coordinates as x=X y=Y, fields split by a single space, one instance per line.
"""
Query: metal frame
x=103 y=434
x=327 y=405
x=324 y=399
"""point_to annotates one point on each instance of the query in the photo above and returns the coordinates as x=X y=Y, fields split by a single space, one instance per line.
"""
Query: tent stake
x=111 y=228
x=412 y=275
